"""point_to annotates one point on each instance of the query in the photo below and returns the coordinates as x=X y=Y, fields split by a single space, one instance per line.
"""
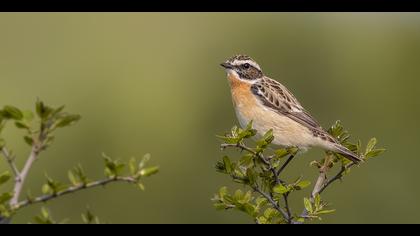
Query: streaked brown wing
x=274 y=95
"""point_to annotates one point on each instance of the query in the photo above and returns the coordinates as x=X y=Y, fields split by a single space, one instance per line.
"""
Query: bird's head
x=243 y=67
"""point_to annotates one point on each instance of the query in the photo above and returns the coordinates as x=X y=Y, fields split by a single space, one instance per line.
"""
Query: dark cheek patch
x=250 y=74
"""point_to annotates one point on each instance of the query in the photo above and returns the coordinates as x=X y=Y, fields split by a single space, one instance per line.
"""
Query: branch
x=23 y=174
x=286 y=214
x=285 y=164
x=257 y=154
x=275 y=205
x=338 y=176
x=322 y=182
x=73 y=189
x=11 y=160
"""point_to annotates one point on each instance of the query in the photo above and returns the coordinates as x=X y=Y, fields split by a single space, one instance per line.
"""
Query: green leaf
x=72 y=178
x=261 y=201
x=28 y=140
x=57 y=111
x=68 y=120
x=268 y=136
x=132 y=165
x=303 y=184
x=4 y=177
x=42 y=110
x=149 y=171
x=228 y=164
x=293 y=150
x=281 y=189
x=252 y=176
x=308 y=205
x=280 y=153
x=22 y=125
x=375 y=153
x=223 y=191
x=12 y=112
x=238 y=195
x=317 y=201
x=270 y=213
x=46 y=189
x=141 y=186
x=144 y=160
x=371 y=144
x=5 y=197
x=325 y=212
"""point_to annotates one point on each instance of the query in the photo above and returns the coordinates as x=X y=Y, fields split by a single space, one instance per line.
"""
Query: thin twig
x=288 y=210
x=274 y=203
x=73 y=189
x=11 y=161
x=338 y=176
x=322 y=182
x=285 y=164
x=23 y=174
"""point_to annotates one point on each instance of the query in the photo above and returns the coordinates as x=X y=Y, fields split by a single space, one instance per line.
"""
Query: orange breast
x=241 y=93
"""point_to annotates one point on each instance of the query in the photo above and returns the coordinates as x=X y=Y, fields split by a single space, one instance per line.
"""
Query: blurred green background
x=151 y=83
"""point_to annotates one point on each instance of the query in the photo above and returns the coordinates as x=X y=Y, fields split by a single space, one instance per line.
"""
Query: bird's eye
x=246 y=65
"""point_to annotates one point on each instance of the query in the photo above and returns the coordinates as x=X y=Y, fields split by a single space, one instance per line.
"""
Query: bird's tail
x=348 y=154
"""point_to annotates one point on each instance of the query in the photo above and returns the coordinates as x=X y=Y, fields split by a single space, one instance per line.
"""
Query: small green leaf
x=5 y=197
x=375 y=153
x=4 y=177
x=293 y=150
x=42 y=110
x=325 y=211
x=317 y=201
x=46 y=189
x=228 y=164
x=280 y=153
x=141 y=186
x=303 y=184
x=72 y=178
x=149 y=171
x=270 y=213
x=144 y=160
x=22 y=125
x=371 y=144
x=68 y=120
x=281 y=189
x=223 y=191
x=132 y=165
x=28 y=140
x=308 y=205
x=238 y=195
x=12 y=112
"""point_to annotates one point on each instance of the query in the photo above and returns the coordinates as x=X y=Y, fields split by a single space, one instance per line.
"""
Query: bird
x=270 y=105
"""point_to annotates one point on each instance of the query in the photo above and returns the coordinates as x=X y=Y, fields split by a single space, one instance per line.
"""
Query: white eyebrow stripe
x=241 y=62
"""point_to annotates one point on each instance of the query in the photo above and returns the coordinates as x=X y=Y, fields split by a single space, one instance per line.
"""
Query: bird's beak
x=226 y=65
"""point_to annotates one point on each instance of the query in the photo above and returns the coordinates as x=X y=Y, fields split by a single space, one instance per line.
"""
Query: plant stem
x=285 y=164
x=11 y=162
x=73 y=189
x=274 y=203
x=23 y=174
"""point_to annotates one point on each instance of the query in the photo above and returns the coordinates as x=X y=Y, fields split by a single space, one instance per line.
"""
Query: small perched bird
x=270 y=105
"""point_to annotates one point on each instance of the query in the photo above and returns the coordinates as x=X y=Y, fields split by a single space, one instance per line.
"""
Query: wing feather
x=274 y=95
